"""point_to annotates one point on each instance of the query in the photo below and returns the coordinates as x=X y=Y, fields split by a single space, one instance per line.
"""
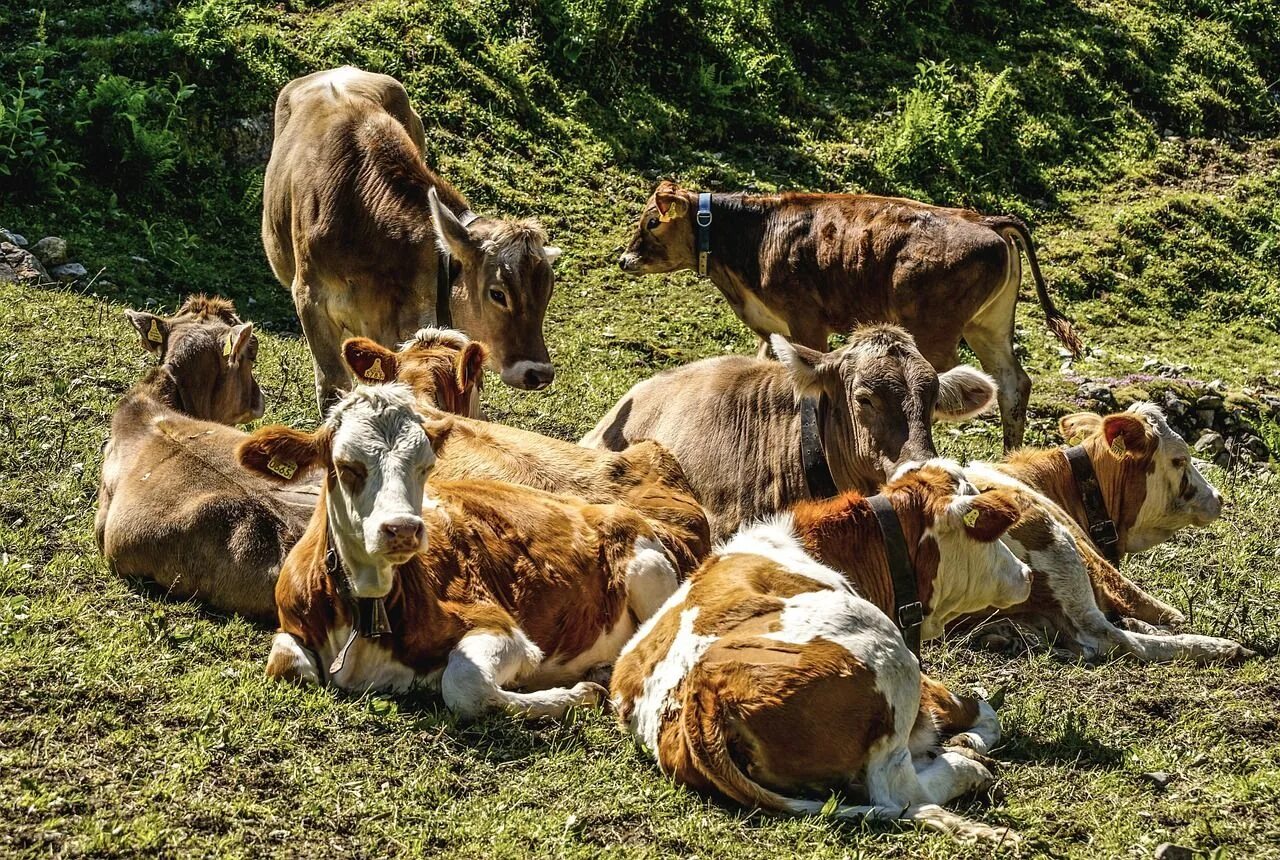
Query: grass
x=1139 y=137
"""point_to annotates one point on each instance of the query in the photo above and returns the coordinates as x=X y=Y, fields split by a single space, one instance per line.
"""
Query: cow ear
x=451 y=237
x=1077 y=427
x=671 y=202
x=371 y=362
x=989 y=515
x=438 y=429
x=552 y=252
x=152 y=329
x=802 y=363
x=279 y=452
x=963 y=392
x=236 y=342
x=1127 y=435
x=469 y=366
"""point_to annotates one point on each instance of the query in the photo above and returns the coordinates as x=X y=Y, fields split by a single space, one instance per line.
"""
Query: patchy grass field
x=1140 y=138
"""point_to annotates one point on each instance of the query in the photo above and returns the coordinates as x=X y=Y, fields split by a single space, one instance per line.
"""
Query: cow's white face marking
x=381 y=457
x=1178 y=496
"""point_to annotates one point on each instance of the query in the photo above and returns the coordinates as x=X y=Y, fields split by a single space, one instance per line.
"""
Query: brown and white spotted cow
x=174 y=505
x=489 y=586
x=774 y=676
x=811 y=265
x=1150 y=489
x=644 y=476
x=353 y=223
x=736 y=424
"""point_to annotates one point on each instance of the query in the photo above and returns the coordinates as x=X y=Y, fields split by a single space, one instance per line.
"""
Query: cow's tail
x=703 y=722
x=1015 y=230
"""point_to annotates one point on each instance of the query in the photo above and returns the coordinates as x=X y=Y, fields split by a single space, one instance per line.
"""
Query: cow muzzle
x=400 y=538
x=529 y=375
x=629 y=262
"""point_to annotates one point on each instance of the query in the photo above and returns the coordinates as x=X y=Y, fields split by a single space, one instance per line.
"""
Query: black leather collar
x=908 y=611
x=703 y=220
x=368 y=614
x=817 y=472
x=1102 y=529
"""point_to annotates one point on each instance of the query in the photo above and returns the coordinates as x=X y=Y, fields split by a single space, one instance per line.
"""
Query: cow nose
x=538 y=378
x=625 y=262
x=403 y=533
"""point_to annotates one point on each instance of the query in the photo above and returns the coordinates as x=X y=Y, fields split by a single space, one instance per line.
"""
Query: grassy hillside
x=1141 y=140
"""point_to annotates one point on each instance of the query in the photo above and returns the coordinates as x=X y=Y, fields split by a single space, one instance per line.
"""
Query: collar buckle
x=910 y=615
x=1103 y=533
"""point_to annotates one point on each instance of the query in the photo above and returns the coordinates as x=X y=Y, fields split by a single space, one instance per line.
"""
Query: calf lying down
x=1150 y=489
x=767 y=679
x=490 y=586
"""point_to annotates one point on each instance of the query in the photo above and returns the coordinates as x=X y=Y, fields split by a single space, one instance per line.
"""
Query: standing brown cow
x=810 y=265
x=354 y=224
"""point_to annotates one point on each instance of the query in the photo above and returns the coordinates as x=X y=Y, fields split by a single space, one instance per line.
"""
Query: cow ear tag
x=971 y=517
x=1118 y=447
x=675 y=210
x=227 y=345
x=1076 y=439
x=374 y=373
x=153 y=333
x=283 y=468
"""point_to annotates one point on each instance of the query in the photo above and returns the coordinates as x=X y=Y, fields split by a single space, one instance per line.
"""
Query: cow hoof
x=588 y=694
x=960 y=747
x=1136 y=625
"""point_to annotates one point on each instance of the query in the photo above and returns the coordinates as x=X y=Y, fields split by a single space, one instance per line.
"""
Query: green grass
x=1139 y=137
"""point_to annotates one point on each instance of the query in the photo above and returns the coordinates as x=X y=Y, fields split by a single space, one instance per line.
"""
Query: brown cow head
x=972 y=569
x=377 y=456
x=506 y=285
x=208 y=355
x=1144 y=468
x=443 y=368
x=664 y=239
x=882 y=398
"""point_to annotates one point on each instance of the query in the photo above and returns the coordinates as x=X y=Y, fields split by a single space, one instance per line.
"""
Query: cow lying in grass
x=644 y=476
x=491 y=586
x=736 y=424
x=766 y=678
x=174 y=505
x=1150 y=489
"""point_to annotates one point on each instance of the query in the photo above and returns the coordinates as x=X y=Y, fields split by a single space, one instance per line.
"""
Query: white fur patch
x=657 y=702
x=775 y=539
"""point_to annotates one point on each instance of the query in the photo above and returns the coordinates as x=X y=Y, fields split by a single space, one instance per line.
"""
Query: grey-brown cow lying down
x=734 y=423
x=353 y=222
x=175 y=506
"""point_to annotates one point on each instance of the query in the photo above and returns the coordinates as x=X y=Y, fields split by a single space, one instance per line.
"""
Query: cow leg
x=963 y=721
x=1116 y=593
x=290 y=660
x=990 y=335
x=485 y=660
x=325 y=341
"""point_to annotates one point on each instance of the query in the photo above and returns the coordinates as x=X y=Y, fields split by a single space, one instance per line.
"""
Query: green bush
x=131 y=133
x=31 y=160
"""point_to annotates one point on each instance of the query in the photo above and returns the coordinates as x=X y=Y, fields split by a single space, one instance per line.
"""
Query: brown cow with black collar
x=811 y=265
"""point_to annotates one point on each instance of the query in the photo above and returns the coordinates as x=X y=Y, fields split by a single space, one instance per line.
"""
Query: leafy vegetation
x=1140 y=138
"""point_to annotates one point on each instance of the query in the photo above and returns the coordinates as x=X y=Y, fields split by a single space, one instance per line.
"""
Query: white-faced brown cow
x=811 y=265
x=1150 y=489
x=735 y=423
x=644 y=476
x=353 y=223
x=490 y=586
x=174 y=505
x=774 y=676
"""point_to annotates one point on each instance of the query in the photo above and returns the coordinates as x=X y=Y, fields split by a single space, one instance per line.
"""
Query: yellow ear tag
x=1076 y=439
x=1118 y=447
x=283 y=468
x=374 y=373
x=153 y=333
x=227 y=345
x=971 y=517
x=674 y=211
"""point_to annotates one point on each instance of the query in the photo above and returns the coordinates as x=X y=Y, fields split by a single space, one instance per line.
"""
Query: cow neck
x=908 y=611
x=847 y=534
x=1097 y=520
x=813 y=456
x=734 y=243
x=369 y=619
x=1052 y=473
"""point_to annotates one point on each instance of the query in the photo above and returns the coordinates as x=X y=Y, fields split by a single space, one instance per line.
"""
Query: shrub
x=31 y=160
x=131 y=129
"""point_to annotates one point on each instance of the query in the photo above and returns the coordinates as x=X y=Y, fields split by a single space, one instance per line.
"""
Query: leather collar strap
x=704 y=232
x=1102 y=529
x=369 y=614
x=444 y=278
x=817 y=472
x=908 y=611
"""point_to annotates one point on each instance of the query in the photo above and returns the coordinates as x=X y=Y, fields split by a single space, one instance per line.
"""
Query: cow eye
x=1180 y=462
x=352 y=474
x=498 y=296
x=653 y=223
